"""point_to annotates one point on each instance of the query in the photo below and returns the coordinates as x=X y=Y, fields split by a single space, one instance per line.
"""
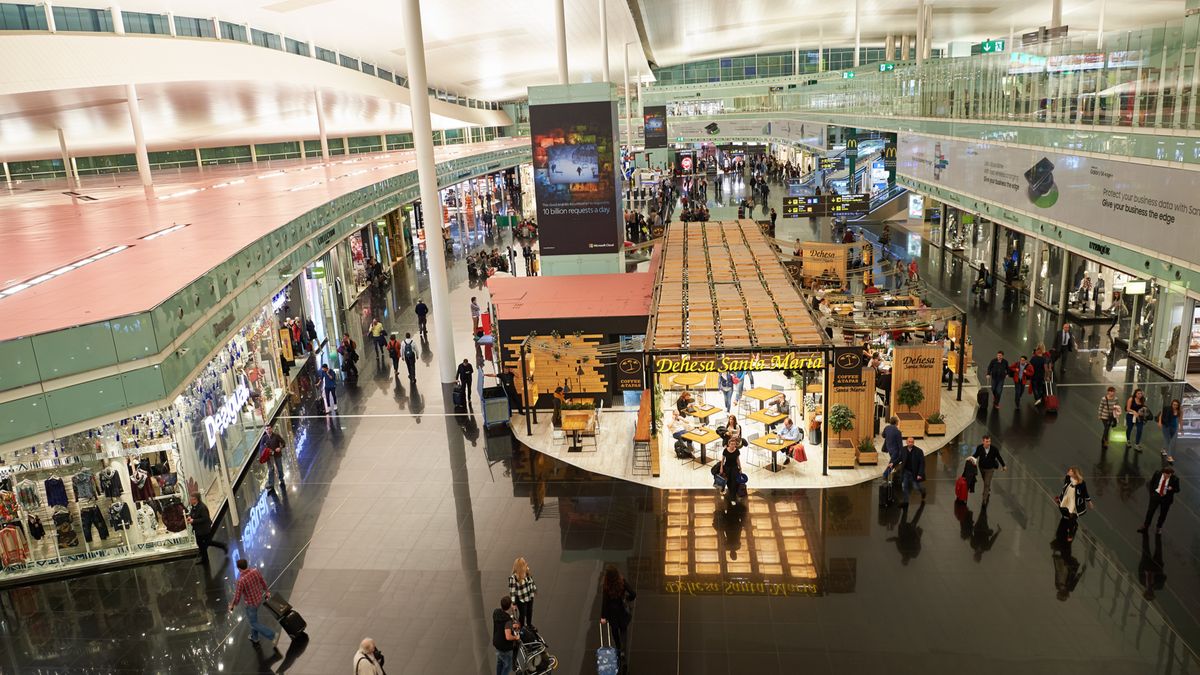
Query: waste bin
x=495 y=406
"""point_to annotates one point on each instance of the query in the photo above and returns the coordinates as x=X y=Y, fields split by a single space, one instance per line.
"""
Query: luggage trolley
x=533 y=657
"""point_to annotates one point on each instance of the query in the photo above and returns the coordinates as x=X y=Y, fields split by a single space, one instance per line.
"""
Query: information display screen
x=832 y=163
x=812 y=206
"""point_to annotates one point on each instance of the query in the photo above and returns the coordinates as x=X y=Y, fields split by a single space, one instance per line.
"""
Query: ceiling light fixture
x=17 y=288
x=163 y=233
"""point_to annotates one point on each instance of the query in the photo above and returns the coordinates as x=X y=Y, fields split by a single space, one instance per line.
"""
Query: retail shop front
x=117 y=493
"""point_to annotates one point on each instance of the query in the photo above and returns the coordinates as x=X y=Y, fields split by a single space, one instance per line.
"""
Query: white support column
x=919 y=47
x=66 y=161
x=928 y=43
x=253 y=154
x=171 y=25
x=857 y=30
x=346 y=146
x=1100 y=26
x=7 y=175
x=889 y=48
x=216 y=27
x=139 y=139
x=383 y=142
x=560 y=36
x=796 y=61
x=821 y=49
x=117 y=21
x=321 y=124
x=49 y=10
x=1035 y=267
x=443 y=329
x=1055 y=13
x=605 y=75
x=75 y=169
x=199 y=161
x=903 y=56
x=628 y=104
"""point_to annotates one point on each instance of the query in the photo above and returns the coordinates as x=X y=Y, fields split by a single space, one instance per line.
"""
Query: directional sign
x=989 y=47
x=887 y=67
x=848 y=75
x=831 y=163
x=812 y=206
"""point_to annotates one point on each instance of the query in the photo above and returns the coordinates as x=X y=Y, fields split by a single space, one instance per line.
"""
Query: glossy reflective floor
x=401 y=523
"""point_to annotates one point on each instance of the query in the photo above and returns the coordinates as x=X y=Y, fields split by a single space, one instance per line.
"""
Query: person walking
x=273 y=452
x=989 y=459
x=522 y=589
x=348 y=351
x=1163 y=486
x=251 y=590
x=913 y=471
x=615 y=596
x=475 y=312
x=731 y=466
x=466 y=377
x=1168 y=421
x=378 y=337
x=1108 y=411
x=1021 y=373
x=393 y=350
x=893 y=445
x=422 y=312
x=512 y=260
x=725 y=384
x=368 y=660
x=1135 y=416
x=506 y=633
x=328 y=388
x=997 y=371
x=1073 y=502
x=202 y=526
x=1038 y=379
x=1064 y=342
x=408 y=350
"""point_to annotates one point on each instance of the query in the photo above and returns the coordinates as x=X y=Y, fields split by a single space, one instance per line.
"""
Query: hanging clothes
x=56 y=492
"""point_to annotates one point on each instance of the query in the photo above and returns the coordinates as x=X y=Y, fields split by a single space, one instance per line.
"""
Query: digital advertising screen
x=574 y=175
x=654 y=120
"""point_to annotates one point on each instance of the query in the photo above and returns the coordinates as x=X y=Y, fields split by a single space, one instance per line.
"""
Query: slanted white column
x=139 y=138
x=171 y=25
x=321 y=124
x=199 y=161
x=560 y=34
x=857 y=30
x=117 y=21
x=920 y=46
x=7 y=175
x=66 y=161
x=889 y=47
x=1055 y=13
x=49 y=10
x=1099 y=26
x=628 y=104
x=604 y=72
x=443 y=330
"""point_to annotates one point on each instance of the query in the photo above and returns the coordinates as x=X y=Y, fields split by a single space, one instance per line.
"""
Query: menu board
x=812 y=206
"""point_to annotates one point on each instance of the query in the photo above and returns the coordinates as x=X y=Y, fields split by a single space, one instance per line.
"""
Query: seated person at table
x=731 y=428
x=679 y=426
x=778 y=402
x=789 y=433
x=684 y=403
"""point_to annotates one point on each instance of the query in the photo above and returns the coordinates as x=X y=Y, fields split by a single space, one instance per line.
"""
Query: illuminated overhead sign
x=227 y=414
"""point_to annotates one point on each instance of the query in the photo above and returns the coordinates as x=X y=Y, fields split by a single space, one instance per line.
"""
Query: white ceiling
x=680 y=31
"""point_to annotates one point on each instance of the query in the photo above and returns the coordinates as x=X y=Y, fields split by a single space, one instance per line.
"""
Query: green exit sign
x=887 y=67
x=848 y=75
x=989 y=47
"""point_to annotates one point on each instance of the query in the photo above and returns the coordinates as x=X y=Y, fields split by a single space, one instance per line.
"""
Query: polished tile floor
x=401 y=522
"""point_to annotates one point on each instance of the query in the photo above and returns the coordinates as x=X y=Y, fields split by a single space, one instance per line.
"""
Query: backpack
x=409 y=352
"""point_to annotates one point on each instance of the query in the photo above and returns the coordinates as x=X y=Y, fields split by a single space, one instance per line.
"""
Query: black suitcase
x=460 y=396
x=983 y=397
x=885 y=493
x=289 y=619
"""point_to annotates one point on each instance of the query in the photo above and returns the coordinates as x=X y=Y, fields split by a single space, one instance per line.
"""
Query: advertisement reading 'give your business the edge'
x=1151 y=207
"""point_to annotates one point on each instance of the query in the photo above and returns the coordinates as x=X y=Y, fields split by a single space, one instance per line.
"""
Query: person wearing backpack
x=393 y=350
x=368 y=660
x=409 y=352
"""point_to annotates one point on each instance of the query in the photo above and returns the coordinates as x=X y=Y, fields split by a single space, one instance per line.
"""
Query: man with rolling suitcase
x=252 y=590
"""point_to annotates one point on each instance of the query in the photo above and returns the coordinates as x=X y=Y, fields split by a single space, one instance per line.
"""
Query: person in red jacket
x=1022 y=373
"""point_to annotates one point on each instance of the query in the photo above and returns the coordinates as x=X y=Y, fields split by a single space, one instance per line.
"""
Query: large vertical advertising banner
x=654 y=120
x=574 y=155
x=1155 y=208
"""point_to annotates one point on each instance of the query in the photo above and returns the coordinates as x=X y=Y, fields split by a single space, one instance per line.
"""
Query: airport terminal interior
x=599 y=337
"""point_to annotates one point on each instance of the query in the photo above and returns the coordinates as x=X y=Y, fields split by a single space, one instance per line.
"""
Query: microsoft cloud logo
x=939 y=161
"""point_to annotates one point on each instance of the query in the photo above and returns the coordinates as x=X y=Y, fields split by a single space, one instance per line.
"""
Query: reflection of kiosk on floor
x=731 y=338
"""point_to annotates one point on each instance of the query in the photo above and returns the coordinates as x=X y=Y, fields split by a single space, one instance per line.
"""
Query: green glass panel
x=134 y=337
x=86 y=400
x=18 y=366
x=143 y=384
x=23 y=417
x=74 y=350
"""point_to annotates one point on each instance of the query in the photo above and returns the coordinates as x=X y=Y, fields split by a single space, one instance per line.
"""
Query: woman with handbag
x=1136 y=414
x=1073 y=502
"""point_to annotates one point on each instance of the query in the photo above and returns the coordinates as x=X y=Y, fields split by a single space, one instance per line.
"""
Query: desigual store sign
x=227 y=414
x=1152 y=207
x=722 y=363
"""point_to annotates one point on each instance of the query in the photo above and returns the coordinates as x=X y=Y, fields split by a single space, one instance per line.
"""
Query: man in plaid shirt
x=252 y=588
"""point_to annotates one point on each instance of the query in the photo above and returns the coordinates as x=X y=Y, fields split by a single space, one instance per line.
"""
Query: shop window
x=187 y=26
x=295 y=46
x=82 y=20
x=264 y=39
x=233 y=31
x=150 y=24
x=22 y=17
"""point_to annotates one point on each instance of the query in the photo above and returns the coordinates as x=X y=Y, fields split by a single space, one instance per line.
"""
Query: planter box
x=935 y=429
x=911 y=424
x=867 y=457
x=841 y=454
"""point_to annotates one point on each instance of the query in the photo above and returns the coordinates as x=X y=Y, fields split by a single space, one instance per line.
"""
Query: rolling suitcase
x=608 y=661
x=1050 y=402
x=460 y=396
x=983 y=398
x=289 y=619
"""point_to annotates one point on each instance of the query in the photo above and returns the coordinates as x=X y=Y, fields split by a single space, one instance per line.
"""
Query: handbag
x=265 y=455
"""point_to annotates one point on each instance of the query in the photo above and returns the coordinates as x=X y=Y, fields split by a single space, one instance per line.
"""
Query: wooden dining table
x=702 y=436
x=772 y=444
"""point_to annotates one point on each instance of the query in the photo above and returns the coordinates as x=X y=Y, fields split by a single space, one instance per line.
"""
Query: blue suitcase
x=608 y=662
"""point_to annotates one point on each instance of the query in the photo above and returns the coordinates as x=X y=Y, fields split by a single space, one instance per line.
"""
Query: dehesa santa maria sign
x=227 y=414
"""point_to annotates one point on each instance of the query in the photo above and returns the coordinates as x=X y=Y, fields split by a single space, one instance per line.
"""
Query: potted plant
x=935 y=424
x=867 y=454
x=841 y=452
x=910 y=395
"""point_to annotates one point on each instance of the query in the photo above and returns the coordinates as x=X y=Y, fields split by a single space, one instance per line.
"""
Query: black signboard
x=812 y=206
x=630 y=372
x=848 y=367
x=832 y=163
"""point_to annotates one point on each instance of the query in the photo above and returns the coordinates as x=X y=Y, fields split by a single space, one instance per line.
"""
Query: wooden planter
x=935 y=429
x=867 y=457
x=911 y=424
x=841 y=454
